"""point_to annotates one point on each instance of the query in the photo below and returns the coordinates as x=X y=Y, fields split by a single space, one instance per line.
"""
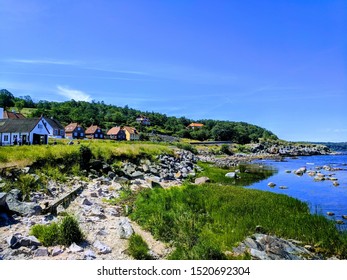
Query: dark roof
x=54 y=123
x=12 y=115
x=18 y=125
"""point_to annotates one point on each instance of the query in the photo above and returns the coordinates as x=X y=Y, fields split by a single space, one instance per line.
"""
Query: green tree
x=6 y=99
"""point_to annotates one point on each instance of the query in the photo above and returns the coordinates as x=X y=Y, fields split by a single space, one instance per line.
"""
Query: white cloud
x=75 y=94
x=44 y=61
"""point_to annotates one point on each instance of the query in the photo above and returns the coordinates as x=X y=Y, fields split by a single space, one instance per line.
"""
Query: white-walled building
x=23 y=131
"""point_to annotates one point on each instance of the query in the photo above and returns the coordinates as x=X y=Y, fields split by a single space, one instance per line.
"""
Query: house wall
x=39 y=129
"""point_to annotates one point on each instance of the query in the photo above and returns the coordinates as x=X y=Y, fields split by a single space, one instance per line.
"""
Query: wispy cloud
x=75 y=94
x=44 y=61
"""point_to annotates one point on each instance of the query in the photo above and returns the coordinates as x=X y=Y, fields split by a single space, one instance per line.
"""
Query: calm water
x=321 y=196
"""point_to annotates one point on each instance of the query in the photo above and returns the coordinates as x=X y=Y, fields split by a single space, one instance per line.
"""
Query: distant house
x=74 y=131
x=11 y=115
x=23 y=131
x=55 y=129
x=131 y=133
x=94 y=132
x=117 y=133
x=123 y=133
x=195 y=125
x=143 y=120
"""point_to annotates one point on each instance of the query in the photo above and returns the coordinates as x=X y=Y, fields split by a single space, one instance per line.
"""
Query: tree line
x=107 y=116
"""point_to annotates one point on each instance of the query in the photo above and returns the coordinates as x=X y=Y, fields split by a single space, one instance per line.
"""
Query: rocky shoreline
x=106 y=226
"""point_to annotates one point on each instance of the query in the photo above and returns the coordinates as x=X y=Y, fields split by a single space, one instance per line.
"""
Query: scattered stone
x=29 y=241
x=230 y=175
x=271 y=185
x=86 y=202
x=330 y=213
x=74 y=248
x=340 y=222
x=89 y=255
x=202 y=180
x=15 y=205
x=336 y=184
x=125 y=229
x=101 y=247
x=41 y=252
x=288 y=171
x=283 y=187
x=56 y=251
x=344 y=217
x=14 y=241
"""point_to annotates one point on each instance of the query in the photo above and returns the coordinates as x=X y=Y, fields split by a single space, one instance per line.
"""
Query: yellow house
x=131 y=133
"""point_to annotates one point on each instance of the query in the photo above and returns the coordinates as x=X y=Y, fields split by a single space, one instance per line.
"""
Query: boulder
x=86 y=202
x=15 y=205
x=125 y=228
x=14 y=241
x=230 y=175
x=89 y=255
x=3 y=204
x=201 y=180
x=29 y=241
x=271 y=185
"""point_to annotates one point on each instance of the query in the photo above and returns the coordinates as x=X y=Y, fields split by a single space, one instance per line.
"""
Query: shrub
x=69 y=231
x=47 y=234
x=64 y=233
x=225 y=149
x=138 y=248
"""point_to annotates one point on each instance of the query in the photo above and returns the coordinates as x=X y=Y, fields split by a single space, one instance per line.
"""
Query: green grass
x=138 y=248
x=65 y=232
x=101 y=149
x=205 y=221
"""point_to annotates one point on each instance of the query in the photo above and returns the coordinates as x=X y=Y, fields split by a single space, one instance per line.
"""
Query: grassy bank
x=106 y=150
x=204 y=222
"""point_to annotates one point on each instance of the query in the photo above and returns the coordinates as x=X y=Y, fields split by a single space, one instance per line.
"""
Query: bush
x=85 y=157
x=187 y=147
x=69 y=231
x=225 y=149
x=138 y=248
x=64 y=233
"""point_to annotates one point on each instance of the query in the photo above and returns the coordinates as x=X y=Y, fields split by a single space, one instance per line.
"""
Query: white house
x=23 y=131
x=55 y=129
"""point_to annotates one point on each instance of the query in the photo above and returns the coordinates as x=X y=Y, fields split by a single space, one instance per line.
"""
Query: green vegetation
x=107 y=116
x=65 y=232
x=138 y=248
x=205 y=221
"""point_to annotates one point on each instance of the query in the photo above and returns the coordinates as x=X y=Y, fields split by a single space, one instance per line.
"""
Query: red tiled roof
x=71 y=127
x=114 y=130
x=92 y=129
x=13 y=115
x=196 y=125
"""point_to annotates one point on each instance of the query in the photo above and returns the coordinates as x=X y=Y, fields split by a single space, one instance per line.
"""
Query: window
x=82 y=134
x=75 y=133
x=55 y=132
x=5 y=137
x=61 y=132
x=96 y=135
x=78 y=128
x=101 y=136
x=40 y=126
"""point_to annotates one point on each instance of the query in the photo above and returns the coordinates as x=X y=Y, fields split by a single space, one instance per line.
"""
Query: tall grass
x=106 y=150
x=205 y=221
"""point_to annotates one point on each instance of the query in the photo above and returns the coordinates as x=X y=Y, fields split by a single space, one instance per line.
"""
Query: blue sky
x=279 y=64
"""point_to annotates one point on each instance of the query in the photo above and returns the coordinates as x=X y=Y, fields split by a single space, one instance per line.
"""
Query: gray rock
x=29 y=241
x=86 y=202
x=230 y=175
x=3 y=204
x=202 y=180
x=137 y=175
x=89 y=255
x=57 y=251
x=271 y=185
x=14 y=204
x=74 y=248
x=125 y=229
x=14 y=241
x=101 y=247
x=41 y=252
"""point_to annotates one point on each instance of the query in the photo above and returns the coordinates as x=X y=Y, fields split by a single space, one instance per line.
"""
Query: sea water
x=321 y=196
